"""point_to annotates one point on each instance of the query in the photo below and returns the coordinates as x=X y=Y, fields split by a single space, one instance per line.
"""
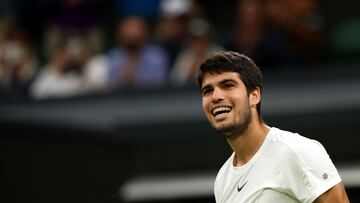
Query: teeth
x=221 y=109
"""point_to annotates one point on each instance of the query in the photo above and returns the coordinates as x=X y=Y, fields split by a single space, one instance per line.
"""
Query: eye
x=228 y=85
x=206 y=91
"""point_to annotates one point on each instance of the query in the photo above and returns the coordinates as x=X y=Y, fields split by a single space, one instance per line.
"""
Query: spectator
x=69 y=73
x=199 y=45
x=172 y=26
x=136 y=62
x=276 y=33
x=294 y=35
x=18 y=61
x=249 y=29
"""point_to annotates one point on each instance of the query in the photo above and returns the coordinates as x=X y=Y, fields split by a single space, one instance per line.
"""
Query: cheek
x=205 y=105
x=241 y=102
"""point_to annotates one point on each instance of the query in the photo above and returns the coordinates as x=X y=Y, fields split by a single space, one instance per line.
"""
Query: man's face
x=226 y=102
x=132 y=33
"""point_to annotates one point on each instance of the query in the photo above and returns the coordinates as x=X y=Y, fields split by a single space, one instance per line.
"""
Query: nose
x=216 y=96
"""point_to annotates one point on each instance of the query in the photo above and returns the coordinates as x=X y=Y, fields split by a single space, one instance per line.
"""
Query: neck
x=248 y=143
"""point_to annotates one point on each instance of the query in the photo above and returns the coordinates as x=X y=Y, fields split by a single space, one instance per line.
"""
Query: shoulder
x=295 y=143
x=300 y=152
x=306 y=162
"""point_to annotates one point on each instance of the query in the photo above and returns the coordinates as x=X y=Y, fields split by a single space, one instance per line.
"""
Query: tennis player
x=268 y=165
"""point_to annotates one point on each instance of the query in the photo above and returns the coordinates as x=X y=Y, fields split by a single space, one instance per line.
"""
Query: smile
x=223 y=110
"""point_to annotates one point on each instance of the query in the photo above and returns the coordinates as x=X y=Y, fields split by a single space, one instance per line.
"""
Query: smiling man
x=267 y=164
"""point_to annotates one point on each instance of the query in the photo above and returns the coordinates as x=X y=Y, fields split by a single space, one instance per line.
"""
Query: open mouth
x=221 y=111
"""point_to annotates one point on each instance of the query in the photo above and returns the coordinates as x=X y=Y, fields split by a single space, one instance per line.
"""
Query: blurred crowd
x=63 y=48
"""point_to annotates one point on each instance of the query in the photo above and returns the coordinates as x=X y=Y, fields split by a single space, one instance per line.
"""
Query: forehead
x=213 y=78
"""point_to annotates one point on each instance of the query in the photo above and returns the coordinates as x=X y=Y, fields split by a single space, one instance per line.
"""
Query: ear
x=255 y=97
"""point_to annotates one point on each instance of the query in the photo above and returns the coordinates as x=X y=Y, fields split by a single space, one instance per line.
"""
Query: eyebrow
x=227 y=80
x=222 y=82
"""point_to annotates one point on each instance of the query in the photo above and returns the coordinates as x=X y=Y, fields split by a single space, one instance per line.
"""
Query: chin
x=225 y=129
x=231 y=130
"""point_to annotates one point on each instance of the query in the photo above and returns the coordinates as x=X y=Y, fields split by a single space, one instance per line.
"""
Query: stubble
x=237 y=127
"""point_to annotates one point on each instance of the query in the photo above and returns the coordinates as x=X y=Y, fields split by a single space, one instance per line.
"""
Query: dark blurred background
x=98 y=101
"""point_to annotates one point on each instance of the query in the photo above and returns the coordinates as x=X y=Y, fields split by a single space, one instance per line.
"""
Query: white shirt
x=287 y=168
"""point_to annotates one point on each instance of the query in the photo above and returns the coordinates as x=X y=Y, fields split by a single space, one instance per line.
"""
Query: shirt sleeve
x=311 y=171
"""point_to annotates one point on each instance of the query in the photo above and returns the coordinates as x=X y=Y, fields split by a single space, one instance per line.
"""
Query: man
x=136 y=62
x=267 y=164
